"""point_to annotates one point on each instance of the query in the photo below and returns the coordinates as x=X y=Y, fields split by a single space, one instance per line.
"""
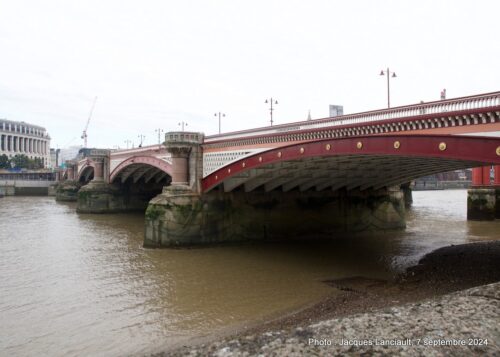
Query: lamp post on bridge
x=128 y=142
x=141 y=139
x=159 y=131
x=219 y=114
x=270 y=101
x=182 y=124
x=388 y=73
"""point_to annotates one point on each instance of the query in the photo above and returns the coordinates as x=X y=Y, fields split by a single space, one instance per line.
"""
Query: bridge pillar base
x=99 y=197
x=67 y=191
x=482 y=203
x=181 y=217
x=407 y=192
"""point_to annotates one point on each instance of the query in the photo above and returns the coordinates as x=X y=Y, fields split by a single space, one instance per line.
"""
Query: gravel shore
x=409 y=316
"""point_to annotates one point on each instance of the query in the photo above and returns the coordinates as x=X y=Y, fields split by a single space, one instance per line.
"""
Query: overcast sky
x=153 y=64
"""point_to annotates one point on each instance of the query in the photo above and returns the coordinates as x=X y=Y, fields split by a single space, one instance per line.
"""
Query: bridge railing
x=136 y=149
x=442 y=106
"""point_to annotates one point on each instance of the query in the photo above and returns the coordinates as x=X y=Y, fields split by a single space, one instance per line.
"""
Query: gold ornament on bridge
x=397 y=145
x=498 y=151
x=328 y=147
x=243 y=164
x=279 y=154
x=359 y=145
x=442 y=146
x=301 y=150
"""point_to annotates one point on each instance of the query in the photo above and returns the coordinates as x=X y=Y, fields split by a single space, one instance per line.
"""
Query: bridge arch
x=136 y=167
x=354 y=163
x=86 y=172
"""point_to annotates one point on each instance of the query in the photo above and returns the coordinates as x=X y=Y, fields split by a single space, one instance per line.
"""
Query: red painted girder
x=481 y=149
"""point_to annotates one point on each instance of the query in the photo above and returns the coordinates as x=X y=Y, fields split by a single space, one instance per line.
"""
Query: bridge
x=363 y=157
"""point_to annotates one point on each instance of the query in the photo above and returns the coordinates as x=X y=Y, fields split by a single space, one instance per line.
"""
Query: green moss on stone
x=153 y=212
x=83 y=195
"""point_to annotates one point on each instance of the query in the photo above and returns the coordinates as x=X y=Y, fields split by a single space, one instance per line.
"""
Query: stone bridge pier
x=67 y=189
x=98 y=196
x=184 y=215
x=483 y=198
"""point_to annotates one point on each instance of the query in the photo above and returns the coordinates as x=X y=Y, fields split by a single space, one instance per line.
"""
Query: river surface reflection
x=83 y=285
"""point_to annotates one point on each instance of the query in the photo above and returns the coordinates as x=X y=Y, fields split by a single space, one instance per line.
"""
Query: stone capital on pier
x=99 y=157
x=180 y=144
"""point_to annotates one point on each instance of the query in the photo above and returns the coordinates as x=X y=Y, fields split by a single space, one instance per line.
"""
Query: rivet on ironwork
x=442 y=146
x=359 y=145
x=302 y=150
x=228 y=171
x=279 y=154
x=328 y=147
x=216 y=177
x=397 y=145
x=260 y=158
x=243 y=164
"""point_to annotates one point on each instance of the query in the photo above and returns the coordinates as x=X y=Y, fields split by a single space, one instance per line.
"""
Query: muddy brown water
x=74 y=285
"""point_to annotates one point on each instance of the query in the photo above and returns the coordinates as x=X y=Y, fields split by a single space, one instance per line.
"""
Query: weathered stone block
x=67 y=191
x=180 y=217
x=100 y=197
x=481 y=204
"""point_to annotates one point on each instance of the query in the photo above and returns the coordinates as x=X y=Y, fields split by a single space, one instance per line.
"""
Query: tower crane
x=84 y=134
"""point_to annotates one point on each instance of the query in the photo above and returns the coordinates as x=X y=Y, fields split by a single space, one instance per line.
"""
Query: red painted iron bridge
x=357 y=151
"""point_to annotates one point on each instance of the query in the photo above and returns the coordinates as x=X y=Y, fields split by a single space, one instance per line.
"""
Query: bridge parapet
x=421 y=109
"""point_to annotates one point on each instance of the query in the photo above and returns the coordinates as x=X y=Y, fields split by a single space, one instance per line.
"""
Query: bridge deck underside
x=137 y=171
x=347 y=171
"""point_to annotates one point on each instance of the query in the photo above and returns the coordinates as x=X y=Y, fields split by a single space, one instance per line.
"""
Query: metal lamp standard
x=388 y=73
x=271 y=102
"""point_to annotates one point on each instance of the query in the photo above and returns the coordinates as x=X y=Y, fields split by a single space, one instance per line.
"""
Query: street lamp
x=159 y=131
x=141 y=139
x=219 y=114
x=182 y=124
x=388 y=73
x=270 y=101
x=128 y=142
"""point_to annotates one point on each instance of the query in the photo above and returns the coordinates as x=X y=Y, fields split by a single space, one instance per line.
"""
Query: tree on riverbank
x=21 y=162
x=4 y=162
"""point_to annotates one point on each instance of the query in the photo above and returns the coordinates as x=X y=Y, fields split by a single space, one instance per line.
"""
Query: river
x=74 y=285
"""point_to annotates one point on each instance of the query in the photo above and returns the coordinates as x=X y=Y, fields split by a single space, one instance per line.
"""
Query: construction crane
x=84 y=134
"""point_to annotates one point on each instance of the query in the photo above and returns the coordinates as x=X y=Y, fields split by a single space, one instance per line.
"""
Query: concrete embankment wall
x=440 y=185
x=25 y=187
